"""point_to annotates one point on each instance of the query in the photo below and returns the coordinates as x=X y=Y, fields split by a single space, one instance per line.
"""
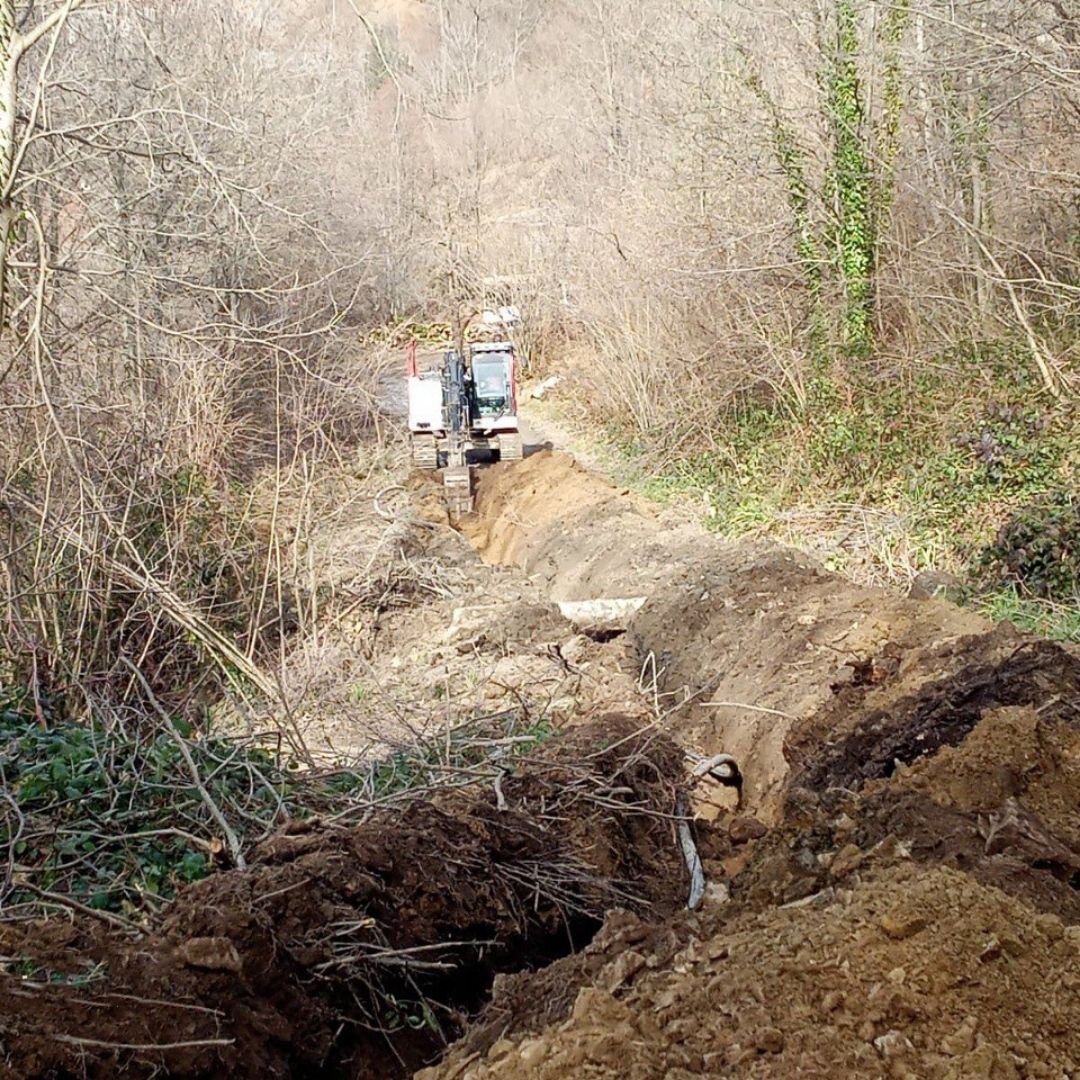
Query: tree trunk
x=9 y=63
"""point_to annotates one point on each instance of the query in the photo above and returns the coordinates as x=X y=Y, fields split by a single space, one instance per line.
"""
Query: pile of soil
x=357 y=952
x=753 y=638
x=913 y=918
x=581 y=536
x=911 y=973
x=745 y=641
x=869 y=729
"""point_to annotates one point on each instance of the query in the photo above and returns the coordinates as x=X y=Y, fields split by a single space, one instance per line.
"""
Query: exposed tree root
x=357 y=952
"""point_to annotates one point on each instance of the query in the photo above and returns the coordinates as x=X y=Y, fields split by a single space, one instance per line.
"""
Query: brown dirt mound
x=1007 y=818
x=357 y=952
x=924 y=924
x=749 y=638
x=1002 y=806
x=956 y=686
x=515 y=505
x=753 y=637
x=968 y=756
x=914 y=909
x=910 y=974
x=843 y=953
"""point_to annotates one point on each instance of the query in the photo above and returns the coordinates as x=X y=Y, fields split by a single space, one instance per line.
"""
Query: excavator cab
x=491 y=375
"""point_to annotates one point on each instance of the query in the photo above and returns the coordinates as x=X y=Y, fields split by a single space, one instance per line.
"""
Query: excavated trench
x=915 y=776
x=879 y=738
x=748 y=643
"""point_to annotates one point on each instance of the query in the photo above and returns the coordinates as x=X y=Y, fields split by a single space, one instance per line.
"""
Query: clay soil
x=896 y=895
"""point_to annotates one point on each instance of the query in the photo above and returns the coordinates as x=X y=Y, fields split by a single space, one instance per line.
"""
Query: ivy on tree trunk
x=849 y=183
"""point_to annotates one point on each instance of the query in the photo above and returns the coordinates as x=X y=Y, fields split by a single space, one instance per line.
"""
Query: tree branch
x=21 y=43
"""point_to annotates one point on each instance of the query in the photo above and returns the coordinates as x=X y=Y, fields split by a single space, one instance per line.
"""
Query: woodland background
x=814 y=261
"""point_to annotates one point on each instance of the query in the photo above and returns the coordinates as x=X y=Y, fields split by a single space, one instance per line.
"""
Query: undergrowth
x=184 y=542
x=110 y=817
x=1038 y=548
x=1042 y=617
x=922 y=466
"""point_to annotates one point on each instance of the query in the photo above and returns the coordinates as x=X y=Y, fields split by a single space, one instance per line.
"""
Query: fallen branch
x=69 y=902
x=748 y=708
x=75 y=1040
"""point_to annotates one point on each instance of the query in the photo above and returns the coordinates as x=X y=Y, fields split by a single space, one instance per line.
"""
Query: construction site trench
x=893 y=891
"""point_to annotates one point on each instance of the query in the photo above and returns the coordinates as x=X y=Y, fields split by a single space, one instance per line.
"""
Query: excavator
x=465 y=401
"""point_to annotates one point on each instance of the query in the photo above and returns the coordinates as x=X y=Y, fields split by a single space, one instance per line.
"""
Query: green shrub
x=110 y=816
x=1038 y=548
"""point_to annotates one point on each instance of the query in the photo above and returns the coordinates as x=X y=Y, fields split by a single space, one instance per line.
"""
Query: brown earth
x=913 y=910
x=416 y=631
x=909 y=972
x=745 y=640
x=357 y=951
x=887 y=960
x=897 y=896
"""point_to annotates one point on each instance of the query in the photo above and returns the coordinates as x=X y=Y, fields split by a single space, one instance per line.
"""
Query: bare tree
x=14 y=45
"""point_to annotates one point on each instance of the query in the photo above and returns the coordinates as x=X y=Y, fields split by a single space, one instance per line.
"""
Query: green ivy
x=887 y=129
x=838 y=246
x=112 y=817
x=1038 y=549
x=849 y=182
x=110 y=800
x=792 y=163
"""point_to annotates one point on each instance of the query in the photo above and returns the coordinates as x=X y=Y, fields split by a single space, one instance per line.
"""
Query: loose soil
x=906 y=899
x=356 y=952
x=897 y=893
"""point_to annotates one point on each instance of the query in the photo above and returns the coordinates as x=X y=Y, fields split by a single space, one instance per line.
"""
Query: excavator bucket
x=457 y=489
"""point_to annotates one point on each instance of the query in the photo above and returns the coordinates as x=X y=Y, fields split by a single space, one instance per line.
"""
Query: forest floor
x=895 y=893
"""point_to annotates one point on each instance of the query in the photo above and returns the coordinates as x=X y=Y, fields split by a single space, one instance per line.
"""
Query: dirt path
x=542 y=429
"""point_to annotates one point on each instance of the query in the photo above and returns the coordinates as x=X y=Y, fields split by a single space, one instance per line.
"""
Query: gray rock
x=931 y=584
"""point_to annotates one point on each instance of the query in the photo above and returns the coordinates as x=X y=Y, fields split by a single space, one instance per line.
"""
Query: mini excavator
x=465 y=400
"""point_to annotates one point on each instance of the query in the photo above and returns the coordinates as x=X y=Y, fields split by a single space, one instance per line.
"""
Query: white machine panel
x=425 y=402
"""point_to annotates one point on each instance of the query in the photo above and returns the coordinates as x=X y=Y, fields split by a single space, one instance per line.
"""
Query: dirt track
x=898 y=895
